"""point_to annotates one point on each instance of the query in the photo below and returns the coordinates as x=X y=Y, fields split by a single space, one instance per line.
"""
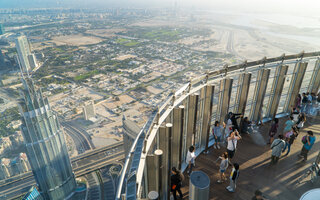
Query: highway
x=82 y=165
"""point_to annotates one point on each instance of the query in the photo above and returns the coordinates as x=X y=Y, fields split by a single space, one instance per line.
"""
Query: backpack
x=304 y=139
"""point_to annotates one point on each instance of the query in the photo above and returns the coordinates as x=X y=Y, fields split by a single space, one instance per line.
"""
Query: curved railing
x=267 y=86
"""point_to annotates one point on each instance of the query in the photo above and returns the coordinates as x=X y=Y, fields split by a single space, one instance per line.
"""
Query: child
x=223 y=166
x=233 y=178
x=217 y=133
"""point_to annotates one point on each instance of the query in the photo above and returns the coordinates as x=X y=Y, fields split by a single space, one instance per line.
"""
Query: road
x=81 y=165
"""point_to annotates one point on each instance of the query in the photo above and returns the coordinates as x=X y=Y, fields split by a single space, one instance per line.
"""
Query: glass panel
x=268 y=90
x=235 y=84
x=307 y=76
x=285 y=88
x=250 y=93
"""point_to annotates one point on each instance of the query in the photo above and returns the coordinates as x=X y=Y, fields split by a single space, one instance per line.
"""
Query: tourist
x=191 y=159
x=233 y=178
x=288 y=124
x=232 y=143
x=301 y=120
x=217 y=134
x=223 y=166
x=297 y=103
x=295 y=114
x=304 y=102
x=290 y=137
x=308 y=142
x=228 y=128
x=233 y=118
x=176 y=183
x=273 y=130
x=277 y=146
x=246 y=127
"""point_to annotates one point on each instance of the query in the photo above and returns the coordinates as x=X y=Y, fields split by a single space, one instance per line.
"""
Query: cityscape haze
x=95 y=95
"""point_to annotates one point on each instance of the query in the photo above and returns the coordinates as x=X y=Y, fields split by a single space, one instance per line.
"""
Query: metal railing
x=196 y=103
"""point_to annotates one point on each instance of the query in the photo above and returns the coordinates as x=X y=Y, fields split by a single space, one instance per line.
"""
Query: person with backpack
x=217 y=134
x=233 y=178
x=190 y=159
x=223 y=166
x=176 y=182
x=273 y=130
x=232 y=143
x=277 y=146
x=289 y=123
x=308 y=142
x=289 y=138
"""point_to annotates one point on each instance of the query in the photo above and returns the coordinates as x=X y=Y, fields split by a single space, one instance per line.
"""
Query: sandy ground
x=76 y=40
x=124 y=57
x=105 y=32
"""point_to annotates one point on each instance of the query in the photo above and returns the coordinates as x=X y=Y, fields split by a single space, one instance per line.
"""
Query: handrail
x=187 y=89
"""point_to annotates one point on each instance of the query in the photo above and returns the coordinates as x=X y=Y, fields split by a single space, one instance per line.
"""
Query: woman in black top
x=176 y=182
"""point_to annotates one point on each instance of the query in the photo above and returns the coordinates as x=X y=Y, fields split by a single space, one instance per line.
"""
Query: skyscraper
x=45 y=145
x=27 y=60
x=1 y=29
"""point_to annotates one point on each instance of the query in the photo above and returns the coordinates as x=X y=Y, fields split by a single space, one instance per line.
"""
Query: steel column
x=276 y=90
x=295 y=85
x=177 y=136
x=191 y=118
x=314 y=84
x=165 y=134
x=158 y=166
x=242 y=93
x=206 y=117
x=224 y=98
x=259 y=93
x=151 y=172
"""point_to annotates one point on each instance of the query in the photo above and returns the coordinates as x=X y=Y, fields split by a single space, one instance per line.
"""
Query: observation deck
x=266 y=88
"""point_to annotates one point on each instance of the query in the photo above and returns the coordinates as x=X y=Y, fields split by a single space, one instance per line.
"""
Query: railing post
x=177 y=135
x=242 y=93
x=314 y=84
x=295 y=85
x=151 y=172
x=224 y=98
x=259 y=93
x=158 y=166
x=206 y=117
x=276 y=90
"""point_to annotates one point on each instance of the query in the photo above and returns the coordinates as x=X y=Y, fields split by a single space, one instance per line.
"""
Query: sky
x=301 y=7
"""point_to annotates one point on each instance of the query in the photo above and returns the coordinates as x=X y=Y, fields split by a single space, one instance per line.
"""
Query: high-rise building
x=45 y=145
x=27 y=60
x=88 y=110
x=130 y=132
x=1 y=29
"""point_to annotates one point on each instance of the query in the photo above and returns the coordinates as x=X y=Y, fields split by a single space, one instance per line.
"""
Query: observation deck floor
x=278 y=182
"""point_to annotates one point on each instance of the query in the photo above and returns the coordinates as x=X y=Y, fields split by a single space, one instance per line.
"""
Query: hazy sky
x=301 y=7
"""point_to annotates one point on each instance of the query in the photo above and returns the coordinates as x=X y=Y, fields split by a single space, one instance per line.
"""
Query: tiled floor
x=277 y=182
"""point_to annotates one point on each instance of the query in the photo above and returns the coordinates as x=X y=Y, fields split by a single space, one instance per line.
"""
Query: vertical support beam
x=295 y=84
x=224 y=98
x=198 y=133
x=191 y=118
x=314 y=84
x=158 y=165
x=206 y=117
x=163 y=145
x=242 y=93
x=151 y=173
x=259 y=93
x=276 y=90
x=177 y=135
x=165 y=134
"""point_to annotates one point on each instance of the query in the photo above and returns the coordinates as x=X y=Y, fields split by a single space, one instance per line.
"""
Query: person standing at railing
x=217 y=133
x=304 y=103
x=233 y=118
x=191 y=156
x=297 y=103
x=273 y=130
x=308 y=142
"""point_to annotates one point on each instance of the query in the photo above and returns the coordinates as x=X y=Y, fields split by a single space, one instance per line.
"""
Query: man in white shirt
x=232 y=143
x=190 y=159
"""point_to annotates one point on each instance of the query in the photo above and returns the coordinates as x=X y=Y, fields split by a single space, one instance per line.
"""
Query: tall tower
x=45 y=145
x=26 y=58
